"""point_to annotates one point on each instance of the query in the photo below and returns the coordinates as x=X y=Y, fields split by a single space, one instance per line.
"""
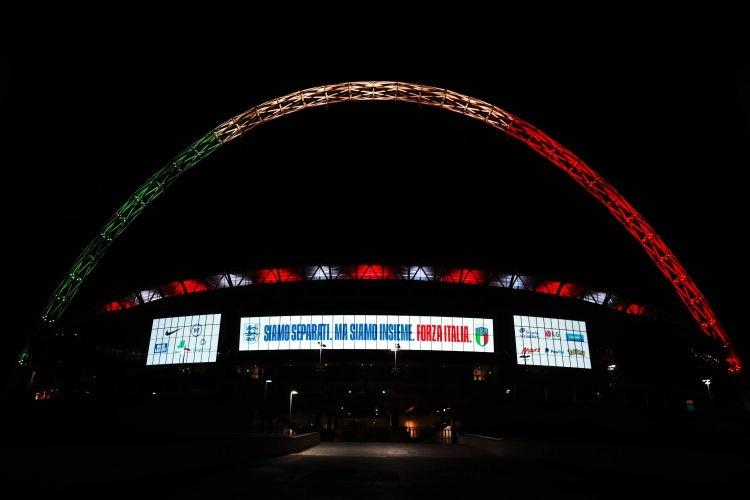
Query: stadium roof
x=466 y=276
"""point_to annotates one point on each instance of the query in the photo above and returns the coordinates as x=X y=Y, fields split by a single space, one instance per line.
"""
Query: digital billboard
x=366 y=331
x=551 y=342
x=184 y=339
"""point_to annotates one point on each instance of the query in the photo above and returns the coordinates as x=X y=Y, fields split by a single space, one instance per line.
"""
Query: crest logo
x=251 y=332
x=482 y=335
x=196 y=330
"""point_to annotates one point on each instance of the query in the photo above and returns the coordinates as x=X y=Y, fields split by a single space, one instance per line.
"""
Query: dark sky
x=662 y=122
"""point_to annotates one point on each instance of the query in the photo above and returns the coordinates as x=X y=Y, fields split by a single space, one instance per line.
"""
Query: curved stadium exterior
x=386 y=352
x=402 y=350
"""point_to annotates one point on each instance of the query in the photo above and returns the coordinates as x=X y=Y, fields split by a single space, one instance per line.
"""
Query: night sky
x=380 y=182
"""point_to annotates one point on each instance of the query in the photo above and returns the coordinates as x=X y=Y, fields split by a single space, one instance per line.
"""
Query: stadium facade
x=371 y=351
x=364 y=346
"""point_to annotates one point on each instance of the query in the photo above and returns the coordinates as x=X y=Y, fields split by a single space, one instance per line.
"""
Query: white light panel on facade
x=184 y=339
x=366 y=331
x=551 y=342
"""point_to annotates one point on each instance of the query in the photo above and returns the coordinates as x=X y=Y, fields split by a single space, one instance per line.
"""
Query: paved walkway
x=385 y=471
x=382 y=450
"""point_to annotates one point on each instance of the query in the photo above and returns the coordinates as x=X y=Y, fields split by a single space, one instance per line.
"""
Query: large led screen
x=551 y=342
x=366 y=331
x=184 y=339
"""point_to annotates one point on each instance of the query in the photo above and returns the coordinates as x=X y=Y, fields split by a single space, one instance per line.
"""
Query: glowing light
x=511 y=125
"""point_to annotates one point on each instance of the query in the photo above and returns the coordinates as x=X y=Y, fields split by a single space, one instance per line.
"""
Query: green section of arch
x=234 y=128
x=121 y=219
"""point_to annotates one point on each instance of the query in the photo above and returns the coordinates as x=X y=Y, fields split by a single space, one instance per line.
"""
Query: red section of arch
x=634 y=223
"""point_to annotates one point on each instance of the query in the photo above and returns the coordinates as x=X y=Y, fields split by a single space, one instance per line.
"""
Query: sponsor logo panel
x=184 y=339
x=552 y=342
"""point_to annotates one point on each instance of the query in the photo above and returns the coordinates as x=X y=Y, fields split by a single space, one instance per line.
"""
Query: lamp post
x=290 y=410
x=182 y=367
x=395 y=360
x=611 y=368
x=265 y=405
x=321 y=345
x=707 y=381
x=320 y=361
x=184 y=355
x=265 y=391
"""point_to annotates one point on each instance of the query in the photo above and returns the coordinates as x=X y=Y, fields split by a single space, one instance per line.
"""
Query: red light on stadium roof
x=466 y=276
x=113 y=306
x=635 y=309
x=381 y=272
x=193 y=286
x=570 y=290
x=174 y=288
x=276 y=275
x=548 y=287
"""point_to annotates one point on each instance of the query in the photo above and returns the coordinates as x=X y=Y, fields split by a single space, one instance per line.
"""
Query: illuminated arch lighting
x=405 y=92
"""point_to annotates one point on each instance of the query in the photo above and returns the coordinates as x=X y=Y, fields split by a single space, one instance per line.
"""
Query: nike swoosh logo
x=170 y=333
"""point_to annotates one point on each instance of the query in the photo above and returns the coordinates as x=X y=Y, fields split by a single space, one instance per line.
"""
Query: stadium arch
x=474 y=108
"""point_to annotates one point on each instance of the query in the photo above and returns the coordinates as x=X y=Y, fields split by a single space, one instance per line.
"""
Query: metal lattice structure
x=513 y=126
x=383 y=272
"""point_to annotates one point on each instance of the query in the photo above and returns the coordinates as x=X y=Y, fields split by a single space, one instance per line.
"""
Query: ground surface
x=394 y=471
